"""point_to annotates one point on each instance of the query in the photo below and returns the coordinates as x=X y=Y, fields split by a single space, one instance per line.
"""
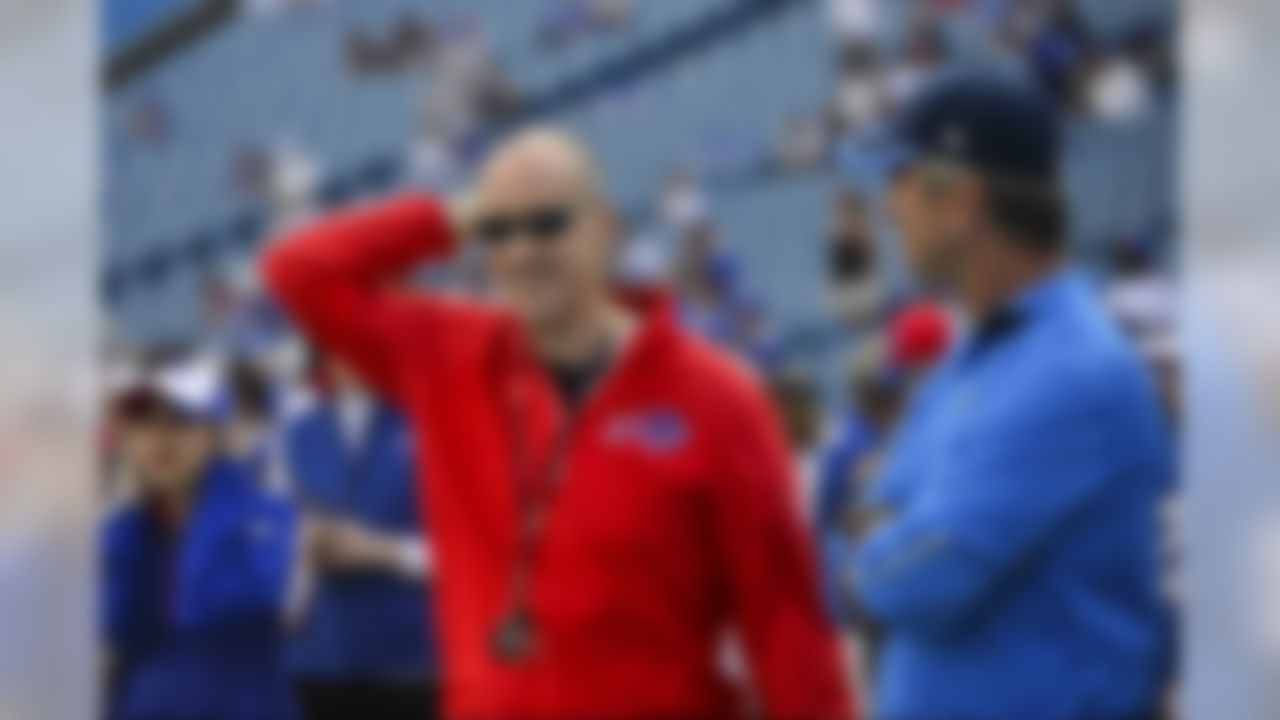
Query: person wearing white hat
x=196 y=565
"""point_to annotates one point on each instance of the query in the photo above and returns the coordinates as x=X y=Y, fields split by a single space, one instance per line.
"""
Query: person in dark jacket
x=196 y=566
x=366 y=647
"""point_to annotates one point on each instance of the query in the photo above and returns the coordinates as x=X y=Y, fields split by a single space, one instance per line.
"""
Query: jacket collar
x=1038 y=300
x=657 y=327
x=1044 y=295
x=655 y=308
x=216 y=483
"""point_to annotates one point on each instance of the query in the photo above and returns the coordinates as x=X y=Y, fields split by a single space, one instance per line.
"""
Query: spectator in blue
x=849 y=458
x=1014 y=573
x=875 y=390
x=196 y=566
x=366 y=646
x=752 y=334
x=709 y=283
x=250 y=428
x=883 y=373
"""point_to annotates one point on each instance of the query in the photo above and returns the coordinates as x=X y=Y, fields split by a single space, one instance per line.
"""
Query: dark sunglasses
x=541 y=225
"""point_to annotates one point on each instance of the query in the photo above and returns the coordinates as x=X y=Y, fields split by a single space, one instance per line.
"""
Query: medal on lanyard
x=515 y=634
x=513 y=638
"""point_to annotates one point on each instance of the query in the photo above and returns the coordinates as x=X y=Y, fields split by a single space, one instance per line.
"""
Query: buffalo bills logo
x=660 y=430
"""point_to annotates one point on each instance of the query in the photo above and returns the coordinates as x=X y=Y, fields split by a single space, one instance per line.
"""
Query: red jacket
x=673 y=515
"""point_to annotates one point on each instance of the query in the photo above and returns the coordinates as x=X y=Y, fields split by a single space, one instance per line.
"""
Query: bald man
x=608 y=496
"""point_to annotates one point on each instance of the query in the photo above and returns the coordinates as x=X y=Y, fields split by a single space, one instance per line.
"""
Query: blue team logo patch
x=658 y=430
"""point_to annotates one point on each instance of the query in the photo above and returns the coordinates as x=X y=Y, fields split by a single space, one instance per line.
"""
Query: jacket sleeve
x=337 y=276
x=1000 y=498
x=119 y=604
x=254 y=577
x=771 y=566
x=834 y=491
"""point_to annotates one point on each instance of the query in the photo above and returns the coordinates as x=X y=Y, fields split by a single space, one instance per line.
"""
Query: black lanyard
x=515 y=634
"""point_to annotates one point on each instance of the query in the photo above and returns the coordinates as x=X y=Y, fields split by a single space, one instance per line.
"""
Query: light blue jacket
x=1019 y=576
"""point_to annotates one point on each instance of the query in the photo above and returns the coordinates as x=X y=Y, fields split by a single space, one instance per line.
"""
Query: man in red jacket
x=607 y=494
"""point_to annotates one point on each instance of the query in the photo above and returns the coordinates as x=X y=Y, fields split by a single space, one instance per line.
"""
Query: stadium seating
x=174 y=209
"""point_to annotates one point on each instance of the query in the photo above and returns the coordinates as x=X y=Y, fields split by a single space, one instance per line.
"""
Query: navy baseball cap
x=989 y=122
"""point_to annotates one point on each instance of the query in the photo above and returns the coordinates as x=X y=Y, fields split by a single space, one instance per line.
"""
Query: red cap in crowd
x=919 y=334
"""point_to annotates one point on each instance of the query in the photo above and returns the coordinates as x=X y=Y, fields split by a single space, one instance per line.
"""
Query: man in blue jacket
x=1014 y=573
x=365 y=647
x=195 y=568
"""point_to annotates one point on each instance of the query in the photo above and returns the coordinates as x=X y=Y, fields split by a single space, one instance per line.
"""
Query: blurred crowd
x=321 y=603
